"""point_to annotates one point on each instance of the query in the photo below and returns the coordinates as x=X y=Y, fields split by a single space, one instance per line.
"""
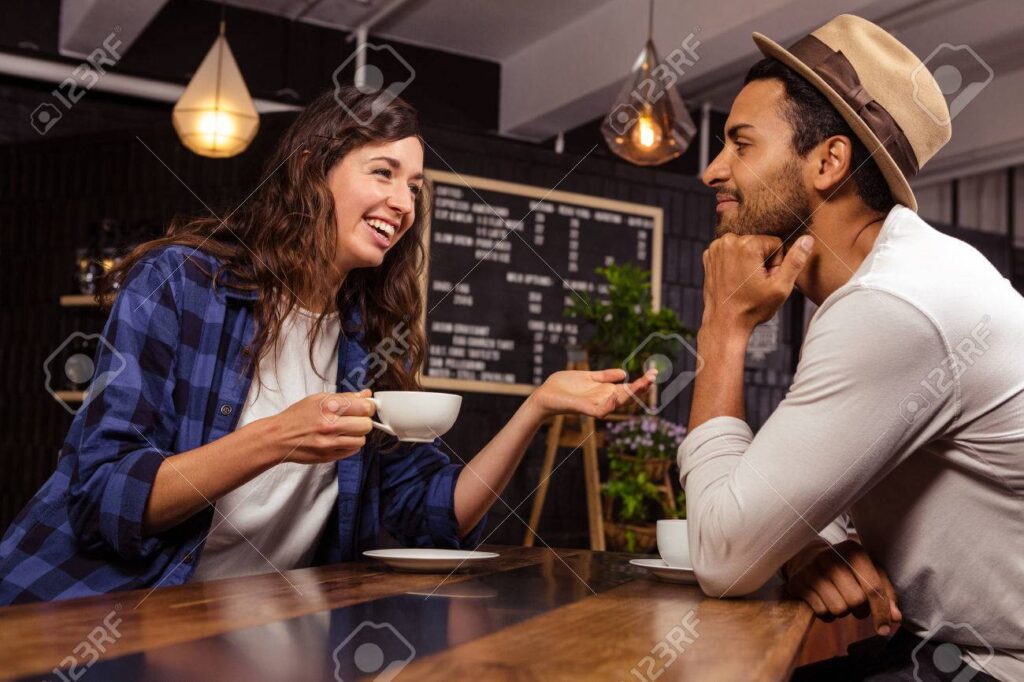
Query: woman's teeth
x=384 y=228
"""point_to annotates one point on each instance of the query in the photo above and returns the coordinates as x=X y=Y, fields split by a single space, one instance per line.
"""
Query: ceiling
x=562 y=61
x=487 y=29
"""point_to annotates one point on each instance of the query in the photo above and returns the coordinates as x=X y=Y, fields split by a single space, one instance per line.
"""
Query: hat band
x=836 y=70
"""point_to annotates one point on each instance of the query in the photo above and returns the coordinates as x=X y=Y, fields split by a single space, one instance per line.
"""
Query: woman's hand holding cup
x=323 y=427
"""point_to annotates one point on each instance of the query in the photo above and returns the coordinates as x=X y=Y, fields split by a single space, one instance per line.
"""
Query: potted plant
x=624 y=329
x=650 y=441
x=632 y=506
x=641 y=451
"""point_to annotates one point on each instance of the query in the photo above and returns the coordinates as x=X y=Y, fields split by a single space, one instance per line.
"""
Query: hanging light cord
x=650 y=22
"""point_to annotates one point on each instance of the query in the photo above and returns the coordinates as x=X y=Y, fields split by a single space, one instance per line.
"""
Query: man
x=907 y=407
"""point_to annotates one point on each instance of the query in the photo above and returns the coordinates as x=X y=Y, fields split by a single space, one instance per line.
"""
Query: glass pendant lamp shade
x=215 y=116
x=649 y=123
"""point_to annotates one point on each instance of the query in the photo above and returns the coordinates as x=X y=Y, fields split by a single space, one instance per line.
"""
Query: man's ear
x=833 y=159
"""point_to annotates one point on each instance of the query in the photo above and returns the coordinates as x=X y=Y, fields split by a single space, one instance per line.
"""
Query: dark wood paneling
x=56 y=187
x=280 y=60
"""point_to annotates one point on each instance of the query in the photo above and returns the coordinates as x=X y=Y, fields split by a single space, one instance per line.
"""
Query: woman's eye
x=383 y=172
x=415 y=189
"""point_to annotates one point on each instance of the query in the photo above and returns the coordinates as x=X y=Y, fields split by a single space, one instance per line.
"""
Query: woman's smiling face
x=375 y=188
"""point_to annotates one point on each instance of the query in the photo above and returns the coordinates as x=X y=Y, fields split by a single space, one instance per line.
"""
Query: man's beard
x=778 y=208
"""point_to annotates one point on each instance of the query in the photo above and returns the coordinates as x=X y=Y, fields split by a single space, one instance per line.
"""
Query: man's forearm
x=718 y=387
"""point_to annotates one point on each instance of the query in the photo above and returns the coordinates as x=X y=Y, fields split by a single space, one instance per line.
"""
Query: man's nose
x=717 y=171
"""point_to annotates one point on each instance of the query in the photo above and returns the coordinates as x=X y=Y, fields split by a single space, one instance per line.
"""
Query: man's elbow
x=722 y=575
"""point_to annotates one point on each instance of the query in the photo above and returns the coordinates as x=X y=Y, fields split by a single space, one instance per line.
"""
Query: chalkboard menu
x=504 y=261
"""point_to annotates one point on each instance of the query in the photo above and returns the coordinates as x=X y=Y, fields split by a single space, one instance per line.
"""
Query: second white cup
x=674 y=543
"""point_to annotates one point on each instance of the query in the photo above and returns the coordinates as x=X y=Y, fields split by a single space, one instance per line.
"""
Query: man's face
x=758 y=177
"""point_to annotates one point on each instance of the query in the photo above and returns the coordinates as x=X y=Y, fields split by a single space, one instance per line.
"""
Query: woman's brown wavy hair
x=283 y=240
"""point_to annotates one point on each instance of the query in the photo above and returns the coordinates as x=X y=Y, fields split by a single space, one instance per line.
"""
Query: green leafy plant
x=632 y=494
x=621 y=324
x=645 y=437
x=635 y=501
x=680 y=510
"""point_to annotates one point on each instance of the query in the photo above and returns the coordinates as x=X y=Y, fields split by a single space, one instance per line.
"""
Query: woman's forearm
x=187 y=482
x=487 y=474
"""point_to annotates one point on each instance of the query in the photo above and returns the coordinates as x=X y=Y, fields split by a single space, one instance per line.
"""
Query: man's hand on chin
x=747 y=279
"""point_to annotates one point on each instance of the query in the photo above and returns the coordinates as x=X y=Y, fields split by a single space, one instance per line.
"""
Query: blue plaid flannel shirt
x=175 y=381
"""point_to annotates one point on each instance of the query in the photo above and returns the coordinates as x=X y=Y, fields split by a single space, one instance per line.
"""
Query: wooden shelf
x=70 y=396
x=78 y=301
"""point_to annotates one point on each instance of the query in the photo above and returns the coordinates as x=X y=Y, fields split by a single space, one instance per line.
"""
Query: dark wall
x=689 y=217
x=54 y=190
x=92 y=166
x=281 y=60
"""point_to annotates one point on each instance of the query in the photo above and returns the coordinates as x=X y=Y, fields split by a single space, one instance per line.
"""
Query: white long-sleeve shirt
x=907 y=408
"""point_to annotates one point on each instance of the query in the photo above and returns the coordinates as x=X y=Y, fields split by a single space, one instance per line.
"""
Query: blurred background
x=91 y=163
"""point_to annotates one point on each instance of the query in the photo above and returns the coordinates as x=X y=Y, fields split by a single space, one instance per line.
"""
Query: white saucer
x=672 y=574
x=428 y=560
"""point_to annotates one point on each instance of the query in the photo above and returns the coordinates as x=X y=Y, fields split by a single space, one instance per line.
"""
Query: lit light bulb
x=646 y=132
x=217 y=129
x=643 y=132
x=215 y=116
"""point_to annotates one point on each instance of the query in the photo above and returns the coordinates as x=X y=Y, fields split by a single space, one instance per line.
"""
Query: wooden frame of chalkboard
x=585 y=202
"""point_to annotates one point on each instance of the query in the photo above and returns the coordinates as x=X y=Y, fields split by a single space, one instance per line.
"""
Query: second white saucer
x=672 y=574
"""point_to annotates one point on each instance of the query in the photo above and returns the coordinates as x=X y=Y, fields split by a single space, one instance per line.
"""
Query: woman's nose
x=401 y=201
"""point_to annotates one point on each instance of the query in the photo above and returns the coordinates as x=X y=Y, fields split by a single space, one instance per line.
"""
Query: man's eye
x=383 y=172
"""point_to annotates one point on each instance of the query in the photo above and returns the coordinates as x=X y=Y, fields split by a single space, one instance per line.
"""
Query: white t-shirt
x=907 y=408
x=275 y=520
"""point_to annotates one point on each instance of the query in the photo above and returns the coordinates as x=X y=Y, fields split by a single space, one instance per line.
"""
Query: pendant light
x=648 y=126
x=215 y=116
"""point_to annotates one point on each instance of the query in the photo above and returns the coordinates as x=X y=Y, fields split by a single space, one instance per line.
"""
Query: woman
x=181 y=467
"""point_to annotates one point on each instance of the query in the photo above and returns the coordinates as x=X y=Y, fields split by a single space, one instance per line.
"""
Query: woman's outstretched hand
x=594 y=393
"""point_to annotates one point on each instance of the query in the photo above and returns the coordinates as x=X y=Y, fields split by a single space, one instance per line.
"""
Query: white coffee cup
x=416 y=416
x=674 y=543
